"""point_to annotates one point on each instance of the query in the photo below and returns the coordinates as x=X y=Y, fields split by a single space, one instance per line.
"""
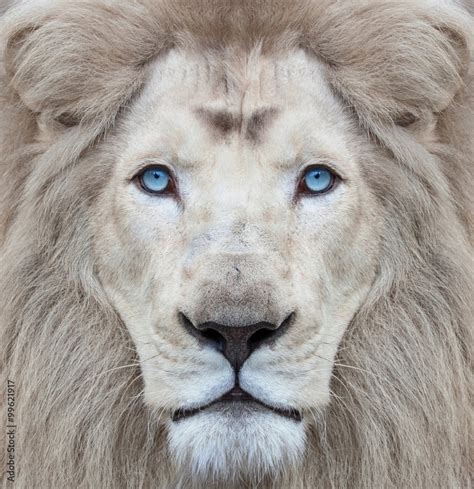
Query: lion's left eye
x=156 y=180
x=317 y=180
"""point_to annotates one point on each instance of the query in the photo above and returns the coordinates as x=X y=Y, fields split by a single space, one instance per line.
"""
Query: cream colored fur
x=379 y=272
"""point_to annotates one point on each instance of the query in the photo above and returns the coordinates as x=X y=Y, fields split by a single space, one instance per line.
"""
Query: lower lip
x=237 y=408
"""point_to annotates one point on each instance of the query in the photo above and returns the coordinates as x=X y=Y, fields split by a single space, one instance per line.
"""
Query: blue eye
x=156 y=180
x=317 y=180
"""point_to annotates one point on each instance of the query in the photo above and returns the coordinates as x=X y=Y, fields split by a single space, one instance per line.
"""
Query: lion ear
x=396 y=62
x=71 y=67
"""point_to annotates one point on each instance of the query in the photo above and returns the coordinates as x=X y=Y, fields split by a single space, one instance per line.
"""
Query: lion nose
x=237 y=343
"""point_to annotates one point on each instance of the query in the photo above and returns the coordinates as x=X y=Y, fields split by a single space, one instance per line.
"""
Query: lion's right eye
x=156 y=180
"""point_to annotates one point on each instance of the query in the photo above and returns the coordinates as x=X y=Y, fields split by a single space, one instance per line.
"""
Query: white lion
x=236 y=243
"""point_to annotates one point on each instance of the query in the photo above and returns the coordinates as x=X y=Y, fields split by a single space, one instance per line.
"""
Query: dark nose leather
x=236 y=342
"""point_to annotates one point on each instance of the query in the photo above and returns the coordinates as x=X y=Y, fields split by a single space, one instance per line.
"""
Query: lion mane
x=401 y=410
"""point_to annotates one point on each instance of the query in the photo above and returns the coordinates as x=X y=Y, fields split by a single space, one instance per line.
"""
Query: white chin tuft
x=226 y=446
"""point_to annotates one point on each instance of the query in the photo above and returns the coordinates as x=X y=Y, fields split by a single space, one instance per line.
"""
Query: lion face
x=236 y=279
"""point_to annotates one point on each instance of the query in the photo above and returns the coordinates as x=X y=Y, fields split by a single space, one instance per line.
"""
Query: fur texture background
x=401 y=416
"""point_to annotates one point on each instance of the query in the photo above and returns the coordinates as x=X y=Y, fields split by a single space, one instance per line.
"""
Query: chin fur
x=228 y=447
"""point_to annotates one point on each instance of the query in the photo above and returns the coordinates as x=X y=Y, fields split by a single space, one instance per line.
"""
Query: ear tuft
x=395 y=62
x=78 y=62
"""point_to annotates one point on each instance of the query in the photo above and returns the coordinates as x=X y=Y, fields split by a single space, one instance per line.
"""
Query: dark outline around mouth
x=236 y=394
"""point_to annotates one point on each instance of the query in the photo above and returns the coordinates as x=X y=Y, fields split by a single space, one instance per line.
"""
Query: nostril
x=214 y=338
x=260 y=337
x=267 y=335
x=208 y=336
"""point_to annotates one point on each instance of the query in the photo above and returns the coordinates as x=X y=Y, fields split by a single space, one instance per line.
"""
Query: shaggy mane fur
x=402 y=410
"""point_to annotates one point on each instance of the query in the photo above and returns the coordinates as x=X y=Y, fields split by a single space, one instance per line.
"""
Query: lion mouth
x=237 y=396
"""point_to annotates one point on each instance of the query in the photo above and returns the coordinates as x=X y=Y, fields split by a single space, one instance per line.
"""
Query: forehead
x=278 y=105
